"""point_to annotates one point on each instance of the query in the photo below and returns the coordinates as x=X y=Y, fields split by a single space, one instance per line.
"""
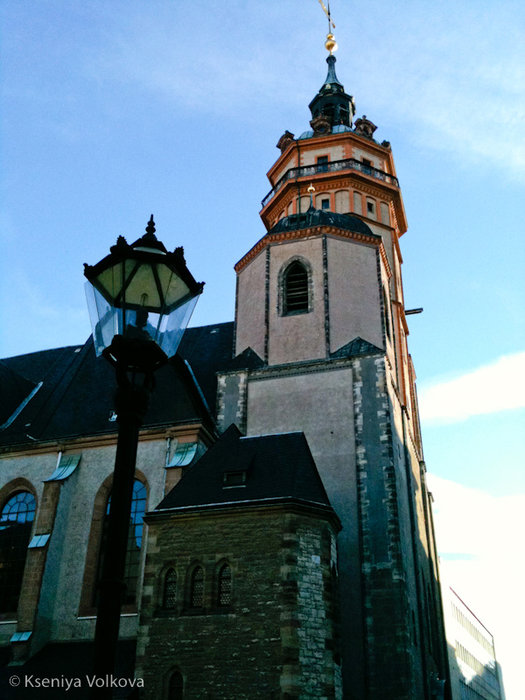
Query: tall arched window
x=197 y=588
x=169 y=597
x=16 y=521
x=295 y=291
x=176 y=686
x=224 y=586
x=134 y=543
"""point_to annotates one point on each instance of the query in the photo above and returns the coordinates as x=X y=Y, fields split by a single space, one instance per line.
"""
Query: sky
x=113 y=111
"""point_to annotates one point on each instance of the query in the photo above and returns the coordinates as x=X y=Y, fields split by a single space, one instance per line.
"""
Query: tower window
x=370 y=208
x=170 y=590
x=224 y=593
x=176 y=686
x=295 y=289
x=16 y=522
x=325 y=204
x=322 y=164
x=197 y=588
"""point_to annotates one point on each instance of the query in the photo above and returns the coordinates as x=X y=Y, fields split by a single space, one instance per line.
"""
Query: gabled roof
x=247 y=359
x=357 y=346
x=257 y=470
x=76 y=396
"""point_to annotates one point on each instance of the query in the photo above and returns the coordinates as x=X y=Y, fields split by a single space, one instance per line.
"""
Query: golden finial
x=330 y=43
x=311 y=189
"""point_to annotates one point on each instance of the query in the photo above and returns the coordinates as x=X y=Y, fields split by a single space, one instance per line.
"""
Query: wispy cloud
x=478 y=541
x=499 y=386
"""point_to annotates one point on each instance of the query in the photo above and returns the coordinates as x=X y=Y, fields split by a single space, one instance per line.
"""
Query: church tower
x=321 y=347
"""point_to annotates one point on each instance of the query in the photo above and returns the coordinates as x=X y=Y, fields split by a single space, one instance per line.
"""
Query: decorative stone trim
x=281 y=292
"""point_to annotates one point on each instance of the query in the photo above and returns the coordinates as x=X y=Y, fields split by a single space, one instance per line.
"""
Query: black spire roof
x=331 y=106
x=322 y=217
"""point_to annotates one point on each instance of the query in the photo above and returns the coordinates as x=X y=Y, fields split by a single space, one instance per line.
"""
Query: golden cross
x=327 y=13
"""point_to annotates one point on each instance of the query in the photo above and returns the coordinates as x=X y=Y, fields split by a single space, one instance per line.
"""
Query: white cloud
x=499 y=386
x=491 y=582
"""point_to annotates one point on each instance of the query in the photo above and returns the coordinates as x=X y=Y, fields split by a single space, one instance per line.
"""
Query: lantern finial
x=150 y=228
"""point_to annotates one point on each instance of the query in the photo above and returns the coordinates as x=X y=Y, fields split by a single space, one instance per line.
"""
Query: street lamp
x=140 y=300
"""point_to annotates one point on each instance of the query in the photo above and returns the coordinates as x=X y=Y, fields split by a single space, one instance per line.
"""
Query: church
x=281 y=540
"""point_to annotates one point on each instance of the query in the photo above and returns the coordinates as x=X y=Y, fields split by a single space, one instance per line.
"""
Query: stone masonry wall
x=275 y=640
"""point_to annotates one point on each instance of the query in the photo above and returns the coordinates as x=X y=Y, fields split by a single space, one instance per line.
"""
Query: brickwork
x=275 y=640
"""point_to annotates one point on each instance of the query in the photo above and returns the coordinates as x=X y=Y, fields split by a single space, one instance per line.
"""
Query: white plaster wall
x=297 y=337
x=354 y=293
x=333 y=152
x=321 y=405
x=250 y=306
x=359 y=154
x=73 y=523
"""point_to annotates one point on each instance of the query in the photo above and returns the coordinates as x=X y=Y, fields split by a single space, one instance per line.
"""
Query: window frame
x=282 y=287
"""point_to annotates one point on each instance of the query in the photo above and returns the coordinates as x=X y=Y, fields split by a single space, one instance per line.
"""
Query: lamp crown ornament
x=140 y=294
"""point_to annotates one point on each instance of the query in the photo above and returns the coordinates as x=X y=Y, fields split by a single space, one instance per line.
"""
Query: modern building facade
x=474 y=670
x=317 y=350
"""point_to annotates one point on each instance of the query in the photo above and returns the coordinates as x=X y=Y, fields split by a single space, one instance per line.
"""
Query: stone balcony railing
x=331 y=167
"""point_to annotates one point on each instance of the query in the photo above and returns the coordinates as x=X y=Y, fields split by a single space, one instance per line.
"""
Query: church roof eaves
x=317 y=229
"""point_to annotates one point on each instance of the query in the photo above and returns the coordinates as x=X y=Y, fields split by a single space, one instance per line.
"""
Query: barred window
x=16 y=521
x=170 y=589
x=197 y=588
x=224 y=597
x=295 y=289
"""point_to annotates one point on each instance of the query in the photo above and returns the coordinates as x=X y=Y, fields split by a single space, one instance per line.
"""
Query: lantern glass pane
x=173 y=325
x=164 y=329
x=104 y=318
x=142 y=290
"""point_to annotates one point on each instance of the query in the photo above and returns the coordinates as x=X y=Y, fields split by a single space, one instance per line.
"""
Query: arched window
x=295 y=292
x=134 y=543
x=224 y=586
x=16 y=521
x=197 y=588
x=169 y=597
x=176 y=686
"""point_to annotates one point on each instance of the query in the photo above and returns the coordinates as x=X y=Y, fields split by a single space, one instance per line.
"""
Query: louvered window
x=296 y=289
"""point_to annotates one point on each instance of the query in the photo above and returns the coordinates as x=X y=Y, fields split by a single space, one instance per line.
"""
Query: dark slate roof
x=208 y=349
x=247 y=359
x=278 y=467
x=15 y=389
x=355 y=347
x=322 y=217
x=76 y=396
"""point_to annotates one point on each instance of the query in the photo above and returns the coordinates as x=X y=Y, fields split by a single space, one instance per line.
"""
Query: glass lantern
x=140 y=299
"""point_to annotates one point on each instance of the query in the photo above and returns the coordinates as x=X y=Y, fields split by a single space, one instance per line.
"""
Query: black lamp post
x=140 y=300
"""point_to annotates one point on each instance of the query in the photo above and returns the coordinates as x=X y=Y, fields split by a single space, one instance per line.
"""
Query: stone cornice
x=78 y=443
x=311 y=232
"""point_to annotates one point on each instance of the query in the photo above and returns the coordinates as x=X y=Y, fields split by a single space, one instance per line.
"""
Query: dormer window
x=233 y=479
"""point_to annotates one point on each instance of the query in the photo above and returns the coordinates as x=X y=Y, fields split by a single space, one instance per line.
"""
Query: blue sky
x=116 y=110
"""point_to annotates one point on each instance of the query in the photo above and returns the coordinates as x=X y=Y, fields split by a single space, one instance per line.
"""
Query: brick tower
x=320 y=345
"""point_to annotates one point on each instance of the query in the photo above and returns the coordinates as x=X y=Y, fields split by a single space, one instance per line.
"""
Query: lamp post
x=140 y=299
